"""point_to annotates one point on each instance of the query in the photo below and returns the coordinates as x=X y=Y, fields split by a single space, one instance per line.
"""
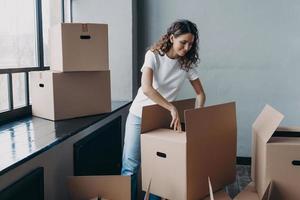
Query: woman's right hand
x=175 y=123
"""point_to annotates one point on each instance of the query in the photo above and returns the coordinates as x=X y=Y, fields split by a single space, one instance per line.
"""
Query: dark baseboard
x=243 y=160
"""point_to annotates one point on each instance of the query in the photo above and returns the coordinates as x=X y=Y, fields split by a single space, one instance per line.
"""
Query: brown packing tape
x=84 y=28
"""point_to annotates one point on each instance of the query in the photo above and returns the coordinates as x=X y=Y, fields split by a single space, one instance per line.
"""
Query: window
x=52 y=14
x=19 y=83
x=17 y=34
x=3 y=93
x=24 y=47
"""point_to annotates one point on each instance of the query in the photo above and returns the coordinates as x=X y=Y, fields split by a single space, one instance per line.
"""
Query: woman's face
x=182 y=43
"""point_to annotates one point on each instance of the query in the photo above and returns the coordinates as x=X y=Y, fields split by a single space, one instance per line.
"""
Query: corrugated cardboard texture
x=108 y=187
x=79 y=47
x=155 y=116
x=211 y=148
x=70 y=95
x=263 y=128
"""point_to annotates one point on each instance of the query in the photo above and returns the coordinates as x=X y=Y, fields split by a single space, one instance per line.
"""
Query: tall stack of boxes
x=78 y=83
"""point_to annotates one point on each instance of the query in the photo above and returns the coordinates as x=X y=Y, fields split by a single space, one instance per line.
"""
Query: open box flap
x=267 y=122
x=221 y=195
x=155 y=116
x=250 y=193
x=263 y=128
x=211 y=143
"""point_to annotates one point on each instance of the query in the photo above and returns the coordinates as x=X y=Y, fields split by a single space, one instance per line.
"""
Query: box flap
x=211 y=143
x=147 y=195
x=109 y=187
x=221 y=195
x=155 y=116
x=249 y=193
x=267 y=122
x=263 y=127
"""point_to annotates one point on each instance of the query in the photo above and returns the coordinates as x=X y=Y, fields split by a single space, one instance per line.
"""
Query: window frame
x=14 y=114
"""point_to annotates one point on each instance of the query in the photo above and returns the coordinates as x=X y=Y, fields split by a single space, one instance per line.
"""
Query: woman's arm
x=200 y=99
x=149 y=91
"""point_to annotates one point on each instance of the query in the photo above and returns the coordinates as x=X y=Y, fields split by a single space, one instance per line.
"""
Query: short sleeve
x=150 y=61
x=192 y=74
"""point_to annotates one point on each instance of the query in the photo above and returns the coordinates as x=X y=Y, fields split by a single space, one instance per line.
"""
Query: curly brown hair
x=178 y=28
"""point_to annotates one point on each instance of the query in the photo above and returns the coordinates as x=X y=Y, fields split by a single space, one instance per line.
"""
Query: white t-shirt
x=168 y=77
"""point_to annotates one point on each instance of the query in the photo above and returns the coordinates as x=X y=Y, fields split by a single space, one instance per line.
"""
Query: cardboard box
x=275 y=158
x=79 y=47
x=108 y=187
x=249 y=193
x=220 y=195
x=58 y=96
x=178 y=163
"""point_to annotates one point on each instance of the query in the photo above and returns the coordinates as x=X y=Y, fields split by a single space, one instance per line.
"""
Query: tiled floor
x=242 y=179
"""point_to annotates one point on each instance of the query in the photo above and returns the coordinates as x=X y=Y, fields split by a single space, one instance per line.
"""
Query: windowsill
x=24 y=139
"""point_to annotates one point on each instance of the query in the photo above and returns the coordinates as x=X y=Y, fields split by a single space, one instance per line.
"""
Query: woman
x=167 y=64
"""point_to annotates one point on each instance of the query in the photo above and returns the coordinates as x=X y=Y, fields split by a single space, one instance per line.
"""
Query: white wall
x=118 y=16
x=249 y=53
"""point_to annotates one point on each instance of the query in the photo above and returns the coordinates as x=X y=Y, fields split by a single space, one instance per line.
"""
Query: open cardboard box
x=275 y=155
x=93 y=187
x=178 y=163
x=249 y=193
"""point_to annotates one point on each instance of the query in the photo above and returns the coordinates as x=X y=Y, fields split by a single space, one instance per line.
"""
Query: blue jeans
x=132 y=153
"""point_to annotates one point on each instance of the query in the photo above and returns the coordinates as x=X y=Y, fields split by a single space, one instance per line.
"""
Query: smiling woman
x=168 y=63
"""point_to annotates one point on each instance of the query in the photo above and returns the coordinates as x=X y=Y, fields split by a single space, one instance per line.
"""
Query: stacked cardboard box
x=178 y=163
x=78 y=83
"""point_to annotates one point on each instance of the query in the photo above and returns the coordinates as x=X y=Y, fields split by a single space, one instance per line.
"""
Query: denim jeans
x=132 y=153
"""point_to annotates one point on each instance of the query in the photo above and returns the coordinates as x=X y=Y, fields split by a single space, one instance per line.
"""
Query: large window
x=24 y=45
x=17 y=34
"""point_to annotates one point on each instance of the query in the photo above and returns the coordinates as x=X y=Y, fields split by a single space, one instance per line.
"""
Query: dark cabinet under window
x=100 y=153
x=31 y=186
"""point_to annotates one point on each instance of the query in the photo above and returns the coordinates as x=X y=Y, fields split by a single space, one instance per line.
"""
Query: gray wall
x=249 y=53
x=118 y=15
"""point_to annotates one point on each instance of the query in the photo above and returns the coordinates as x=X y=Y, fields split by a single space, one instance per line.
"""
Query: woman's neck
x=172 y=54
